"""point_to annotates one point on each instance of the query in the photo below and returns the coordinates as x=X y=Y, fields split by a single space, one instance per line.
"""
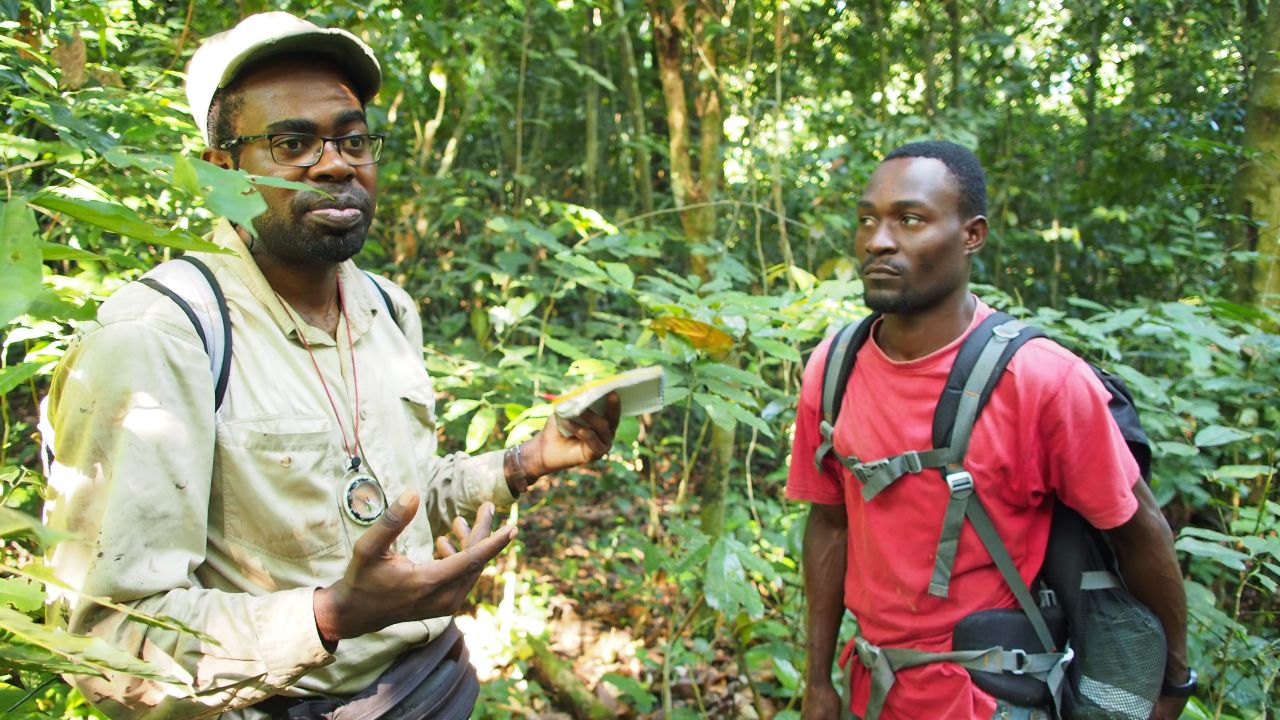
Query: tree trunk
x=1256 y=193
x=695 y=192
x=639 y=125
x=775 y=154
x=1094 y=52
x=592 y=164
x=957 y=65
x=930 y=56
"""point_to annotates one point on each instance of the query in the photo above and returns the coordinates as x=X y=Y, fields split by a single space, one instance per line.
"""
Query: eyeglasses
x=305 y=150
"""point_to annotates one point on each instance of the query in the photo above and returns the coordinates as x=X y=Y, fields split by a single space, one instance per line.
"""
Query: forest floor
x=600 y=613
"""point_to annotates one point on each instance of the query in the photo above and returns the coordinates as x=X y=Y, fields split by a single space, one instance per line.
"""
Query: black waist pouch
x=1011 y=630
x=432 y=682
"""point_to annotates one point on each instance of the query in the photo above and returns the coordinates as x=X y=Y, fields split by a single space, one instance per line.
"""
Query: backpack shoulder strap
x=191 y=285
x=840 y=358
x=979 y=365
x=974 y=380
x=386 y=299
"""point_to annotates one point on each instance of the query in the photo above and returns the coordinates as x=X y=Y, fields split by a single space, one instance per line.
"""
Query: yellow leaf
x=699 y=334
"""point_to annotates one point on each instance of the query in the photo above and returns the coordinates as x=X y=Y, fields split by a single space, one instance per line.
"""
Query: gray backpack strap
x=959 y=481
x=885 y=662
x=190 y=284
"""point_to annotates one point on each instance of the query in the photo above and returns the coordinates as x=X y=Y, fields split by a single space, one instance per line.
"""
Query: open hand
x=381 y=587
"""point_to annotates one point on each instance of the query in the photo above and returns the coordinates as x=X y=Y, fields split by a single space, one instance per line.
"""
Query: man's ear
x=975 y=234
x=221 y=158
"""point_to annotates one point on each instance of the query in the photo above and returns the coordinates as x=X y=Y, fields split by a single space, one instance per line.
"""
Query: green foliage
x=1110 y=133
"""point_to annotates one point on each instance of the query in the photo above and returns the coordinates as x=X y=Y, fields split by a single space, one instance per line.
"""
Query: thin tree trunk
x=635 y=102
x=775 y=156
x=957 y=64
x=1256 y=192
x=1096 y=26
x=516 y=188
x=695 y=193
x=592 y=165
x=930 y=54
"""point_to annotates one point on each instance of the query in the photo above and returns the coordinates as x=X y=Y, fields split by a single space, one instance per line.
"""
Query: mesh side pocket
x=1120 y=654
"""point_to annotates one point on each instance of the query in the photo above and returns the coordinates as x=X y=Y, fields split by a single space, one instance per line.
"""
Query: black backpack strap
x=191 y=285
x=1125 y=412
x=840 y=358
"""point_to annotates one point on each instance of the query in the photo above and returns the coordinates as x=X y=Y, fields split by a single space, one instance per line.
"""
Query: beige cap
x=217 y=62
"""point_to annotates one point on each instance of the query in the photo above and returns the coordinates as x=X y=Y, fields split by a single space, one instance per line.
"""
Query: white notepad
x=639 y=391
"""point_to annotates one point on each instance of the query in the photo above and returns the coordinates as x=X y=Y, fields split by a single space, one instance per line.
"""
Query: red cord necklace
x=364 y=500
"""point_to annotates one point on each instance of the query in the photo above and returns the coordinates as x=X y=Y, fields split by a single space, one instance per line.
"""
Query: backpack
x=191 y=285
x=1082 y=644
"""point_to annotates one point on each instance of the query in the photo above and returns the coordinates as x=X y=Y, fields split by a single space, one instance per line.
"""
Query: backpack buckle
x=1048 y=598
x=960 y=482
x=1020 y=661
x=867 y=471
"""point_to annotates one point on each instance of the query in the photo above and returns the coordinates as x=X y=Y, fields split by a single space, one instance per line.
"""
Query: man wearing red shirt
x=1045 y=434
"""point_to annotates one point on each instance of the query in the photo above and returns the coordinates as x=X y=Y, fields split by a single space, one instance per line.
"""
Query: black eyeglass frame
x=376 y=141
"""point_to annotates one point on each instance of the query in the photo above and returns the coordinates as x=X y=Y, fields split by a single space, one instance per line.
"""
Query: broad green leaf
x=42 y=573
x=636 y=694
x=20 y=273
x=1215 y=435
x=228 y=193
x=776 y=348
x=729 y=392
x=717 y=409
x=621 y=274
x=57 y=251
x=94 y=654
x=14 y=375
x=458 y=408
x=1179 y=449
x=1231 y=559
x=15 y=522
x=694 y=549
x=184 y=175
x=481 y=427
x=726 y=585
x=23 y=594
x=561 y=347
x=729 y=372
x=117 y=218
x=1243 y=472
x=787 y=673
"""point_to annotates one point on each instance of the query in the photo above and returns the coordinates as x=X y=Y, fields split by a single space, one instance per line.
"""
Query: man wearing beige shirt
x=292 y=525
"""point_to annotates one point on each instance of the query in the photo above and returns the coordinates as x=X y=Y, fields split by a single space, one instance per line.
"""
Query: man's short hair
x=223 y=111
x=962 y=163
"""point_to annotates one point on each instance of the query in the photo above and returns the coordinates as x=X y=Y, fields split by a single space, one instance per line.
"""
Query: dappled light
x=570 y=190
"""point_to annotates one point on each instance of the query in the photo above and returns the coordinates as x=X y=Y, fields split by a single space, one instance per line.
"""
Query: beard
x=285 y=231
x=905 y=298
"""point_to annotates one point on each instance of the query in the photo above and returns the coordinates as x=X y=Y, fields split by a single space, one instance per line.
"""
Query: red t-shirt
x=1044 y=432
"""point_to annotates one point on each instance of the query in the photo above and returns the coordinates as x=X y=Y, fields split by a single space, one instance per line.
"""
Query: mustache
x=339 y=196
x=873 y=262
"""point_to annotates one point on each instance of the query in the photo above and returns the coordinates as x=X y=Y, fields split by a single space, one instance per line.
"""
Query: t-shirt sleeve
x=804 y=480
x=1091 y=468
